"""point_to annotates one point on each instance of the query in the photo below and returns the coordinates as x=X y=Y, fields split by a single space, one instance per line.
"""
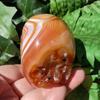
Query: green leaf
x=93 y=94
x=7 y=50
x=53 y=7
x=88 y=90
x=44 y=1
x=13 y=60
x=93 y=8
x=96 y=69
x=87 y=82
x=60 y=7
x=32 y=7
x=80 y=50
x=80 y=93
x=88 y=79
x=86 y=28
x=71 y=18
x=19 y=20
x=7 y=29
x=94 y=90
x=85 y=63
x=10 y=1
x=89 y=35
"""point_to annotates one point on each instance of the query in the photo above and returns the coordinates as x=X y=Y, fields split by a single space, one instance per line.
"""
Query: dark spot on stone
x=49 y=78
x=48 y=63
x=55 y=59
x=72 y=61
x=64 y=60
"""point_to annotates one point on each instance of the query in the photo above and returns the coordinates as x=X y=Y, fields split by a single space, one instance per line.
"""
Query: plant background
x=83 y=18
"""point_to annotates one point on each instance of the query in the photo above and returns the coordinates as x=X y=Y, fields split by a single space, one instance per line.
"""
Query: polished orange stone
x=47 y=51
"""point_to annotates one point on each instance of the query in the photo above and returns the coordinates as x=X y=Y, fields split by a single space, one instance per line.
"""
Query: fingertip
x=76 y=78
x=80 y=74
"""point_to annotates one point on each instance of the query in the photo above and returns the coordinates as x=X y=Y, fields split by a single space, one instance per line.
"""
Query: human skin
x=13 y=85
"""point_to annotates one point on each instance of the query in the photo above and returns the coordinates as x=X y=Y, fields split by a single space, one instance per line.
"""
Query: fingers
x=13 y=75
x=6 y=92
x=75 y=79
x=57 y=93
x=10 y=72
x=36 y=94
x=21 y=87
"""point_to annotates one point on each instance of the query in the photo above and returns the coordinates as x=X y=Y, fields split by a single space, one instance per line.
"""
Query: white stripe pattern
x=30 y=26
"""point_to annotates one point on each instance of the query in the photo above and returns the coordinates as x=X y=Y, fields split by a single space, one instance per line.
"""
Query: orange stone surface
x=47 y=51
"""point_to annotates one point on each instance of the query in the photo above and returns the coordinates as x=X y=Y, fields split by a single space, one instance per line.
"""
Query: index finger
x=11 y=73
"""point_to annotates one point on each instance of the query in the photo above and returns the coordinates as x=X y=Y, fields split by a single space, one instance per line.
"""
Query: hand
x=13 y=86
